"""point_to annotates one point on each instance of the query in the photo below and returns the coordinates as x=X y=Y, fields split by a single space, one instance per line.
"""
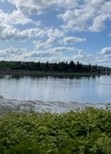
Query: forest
x=53 y=67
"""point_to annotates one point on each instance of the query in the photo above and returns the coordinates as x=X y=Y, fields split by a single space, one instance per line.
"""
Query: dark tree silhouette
x=53 y=67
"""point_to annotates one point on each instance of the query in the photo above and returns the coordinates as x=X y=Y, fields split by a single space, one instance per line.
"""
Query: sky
x=56 y=30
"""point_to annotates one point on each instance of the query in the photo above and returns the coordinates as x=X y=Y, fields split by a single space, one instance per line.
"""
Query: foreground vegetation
x=85 y=131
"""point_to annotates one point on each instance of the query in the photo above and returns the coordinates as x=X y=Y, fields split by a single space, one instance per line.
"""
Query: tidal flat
x=13 y=105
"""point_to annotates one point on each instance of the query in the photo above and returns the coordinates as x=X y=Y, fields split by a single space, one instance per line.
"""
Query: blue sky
x=64 y=30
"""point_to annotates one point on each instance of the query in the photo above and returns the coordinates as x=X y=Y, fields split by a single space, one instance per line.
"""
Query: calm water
x=84 y=89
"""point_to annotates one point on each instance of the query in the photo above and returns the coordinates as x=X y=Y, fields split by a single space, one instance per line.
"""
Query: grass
x=85 y=131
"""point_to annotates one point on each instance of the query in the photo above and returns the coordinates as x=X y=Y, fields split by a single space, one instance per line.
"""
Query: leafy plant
x=85 y=131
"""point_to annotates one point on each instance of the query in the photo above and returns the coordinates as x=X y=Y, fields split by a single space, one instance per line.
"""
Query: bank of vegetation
x=85 y=131
x=66 y=67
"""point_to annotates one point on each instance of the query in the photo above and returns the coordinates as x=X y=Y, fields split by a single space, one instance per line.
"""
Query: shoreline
x=37 y=106
x=43 y=74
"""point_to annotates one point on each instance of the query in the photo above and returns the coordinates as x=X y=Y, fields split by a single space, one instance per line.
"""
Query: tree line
x=53 y=67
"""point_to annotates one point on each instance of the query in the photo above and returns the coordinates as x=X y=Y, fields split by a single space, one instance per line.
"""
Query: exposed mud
x=13 y=105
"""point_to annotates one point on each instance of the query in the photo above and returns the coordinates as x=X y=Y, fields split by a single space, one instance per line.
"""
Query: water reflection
x=77 y=89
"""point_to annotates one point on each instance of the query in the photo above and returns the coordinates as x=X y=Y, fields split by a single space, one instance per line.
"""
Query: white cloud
x=88 y=15
x=21 y=54
x=43 y=54
x=104 y=57
x=83 y=57
x=52 y=38
x=55 y=33
x=15 y=17
x=99 y=22
x=106 y=7
x=9 y=29
x=63 y=49
x=9 y=32
x=91 y=15
x=9 y=22
x=13 y=53
x=55 y=54
x=72 y=39
x=38 y=6
x=106 y=51
x=43 y=45
x=54 y=43
x=104 y=61
x=50 y=54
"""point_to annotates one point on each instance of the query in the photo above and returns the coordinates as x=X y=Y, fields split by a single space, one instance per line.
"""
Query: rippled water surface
x=81 y=89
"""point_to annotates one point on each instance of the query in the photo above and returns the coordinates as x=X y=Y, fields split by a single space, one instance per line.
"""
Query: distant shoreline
x=42 y=73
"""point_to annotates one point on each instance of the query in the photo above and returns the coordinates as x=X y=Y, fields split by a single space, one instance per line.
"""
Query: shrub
x=85 y=131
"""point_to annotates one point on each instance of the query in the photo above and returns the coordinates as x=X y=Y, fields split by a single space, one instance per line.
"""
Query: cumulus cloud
x=52 y=38
x=83 y=57
x=45 y=55
x=13 y=53
x=63 y=49
x=56 y=40
x=88 y=15
x=105 y=61
x=9 y=32
x=51 y=45
x=22 y=54
x=72 y=39
x=104 y=57
x=55 y=54
x=50 y=54
x=106 y=51
x=91 y=15
x=55 y=33
x=39 y=6
x=85 y=16
x=9 y=22
x=99 y=22
x=43 y=45
x=15 y=17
